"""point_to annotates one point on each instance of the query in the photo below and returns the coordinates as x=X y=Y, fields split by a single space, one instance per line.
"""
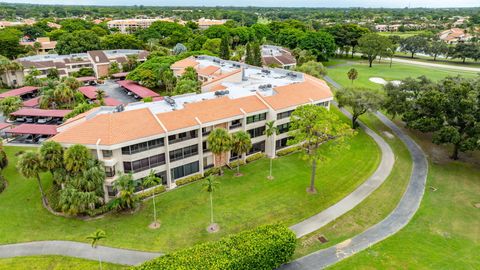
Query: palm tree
x=76 y=158
x=6 y=66
x=271 y=130
x=63 y=94
x=152 y=180
x=29 y=165
x=126 y=186
x=51 y=154
x=219 y=142
x=94 y=239
x=9 y=105
x=241 y=143
x=100 y=96
x=209 y=185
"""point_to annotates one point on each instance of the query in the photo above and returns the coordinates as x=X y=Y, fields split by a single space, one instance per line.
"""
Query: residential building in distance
x=45 y=44
x=454 y=36
x=129 y=26
x=169 y=135
x=275 y=56
x=99 y=61
x=206 y=23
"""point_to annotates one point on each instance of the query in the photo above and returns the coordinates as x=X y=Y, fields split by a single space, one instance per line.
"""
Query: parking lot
x=113 y=90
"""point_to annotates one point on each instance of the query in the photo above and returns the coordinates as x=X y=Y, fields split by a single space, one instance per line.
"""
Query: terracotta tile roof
x=207 y=71
x=299 y=93
x=80 y=116
x=184 y=63
x=223 y=76
x=112 y=128
x=218 y=87
x=209 y=111
x=111 y=101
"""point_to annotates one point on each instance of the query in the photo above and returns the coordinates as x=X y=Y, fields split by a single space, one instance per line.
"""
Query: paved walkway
x=400 y=216
x=358 y=195
x=76 y=249
x=429 y=64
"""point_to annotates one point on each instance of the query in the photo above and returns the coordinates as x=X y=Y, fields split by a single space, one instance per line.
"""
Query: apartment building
x=206 y=23
x=455 y=36
x=46 y=45
x=129 y=26
x=278 y=57
x=99 y=61
x=170 y=135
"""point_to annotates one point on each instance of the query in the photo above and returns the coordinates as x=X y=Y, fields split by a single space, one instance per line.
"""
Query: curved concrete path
x=77 y=249
x=358 y=195
x=394 y=222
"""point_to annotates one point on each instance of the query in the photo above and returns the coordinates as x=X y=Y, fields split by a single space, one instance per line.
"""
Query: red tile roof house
x=169 y=135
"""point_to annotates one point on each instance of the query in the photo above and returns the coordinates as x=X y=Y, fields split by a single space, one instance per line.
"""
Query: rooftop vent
x=221 y=93
x=170 y=101
x=266 y=71
x=291 y=74
x=119 y=108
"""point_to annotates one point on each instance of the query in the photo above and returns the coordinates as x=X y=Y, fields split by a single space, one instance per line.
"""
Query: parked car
x=29 y=119
x=32 y=138
x=21 y=119
x=44 y=120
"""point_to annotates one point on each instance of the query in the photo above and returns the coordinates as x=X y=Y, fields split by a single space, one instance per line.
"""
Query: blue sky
x=286 y=3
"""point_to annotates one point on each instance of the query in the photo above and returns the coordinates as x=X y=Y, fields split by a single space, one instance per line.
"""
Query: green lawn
x=402 y=34
x=53 y=263
x=445 y=232
x=240 y=203
x=382 y=70
x=445 y=61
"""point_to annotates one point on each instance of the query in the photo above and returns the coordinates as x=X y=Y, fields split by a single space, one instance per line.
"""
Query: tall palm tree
x=6 y=65
x=241 y=144
x=219 y=142
x=9 y=105
x=100 y=96
x=271 y=130
x=64 y=95
x=95 y=239
x=51 y=154
x=126 y=196
x=150 y=181
x=29 y=165
x=76 y=158
x=209 y=185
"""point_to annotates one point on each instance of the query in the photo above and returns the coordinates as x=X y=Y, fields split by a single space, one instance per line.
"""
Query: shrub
x=189 y=179
x=145 y=194
x=255 y=156
x=287 y=151
x=3 y=183
x=53 y=195
x=212 y=171
x=236 y=163
x=266 y=247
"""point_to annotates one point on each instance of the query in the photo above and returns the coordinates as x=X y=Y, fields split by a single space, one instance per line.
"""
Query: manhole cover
x=322 y=239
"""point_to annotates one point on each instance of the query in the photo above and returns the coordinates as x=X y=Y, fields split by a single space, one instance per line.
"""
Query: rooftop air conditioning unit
x=170 y=101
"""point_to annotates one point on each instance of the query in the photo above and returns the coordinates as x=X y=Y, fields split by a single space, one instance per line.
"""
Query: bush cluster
x=255 y=156
x=148 y=193
x=289 y=150
x=236 y=163
x=3 y=183
x=266 y=247
x=189 y=179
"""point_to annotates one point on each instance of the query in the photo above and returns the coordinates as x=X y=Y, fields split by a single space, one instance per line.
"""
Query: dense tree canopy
x=78 y=42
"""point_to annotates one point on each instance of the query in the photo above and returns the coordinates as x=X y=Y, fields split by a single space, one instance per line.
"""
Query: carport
x=89 y=80
x=24 y=93
x=32 y=133
x=40 y=116
x=138 y=91
x=32 y=103
x=89 y=92
x=120 y=75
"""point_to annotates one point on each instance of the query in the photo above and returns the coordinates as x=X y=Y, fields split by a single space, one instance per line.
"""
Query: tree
x=352 y=74
x=209 y=185
x=212 y=45
x=312 y=126
x=360 y=100
x=219 y=142
x=168 y=33
x=217 y=31
x=313 y=68
x=249 y=54
x=3 y=157
x=257 y=55
x=321 y=44
x=120 y=41
x=9 y=46
x=450 y=111
x=189 y=74
x=52 y=74
x=9 y=105
x=126 y=187
x=100 y=96
x=131 y=64
x=241 y=144
x=413 y=44
x=30 y=166
x=76 y=158
x=224 y=48
x=270 y=131
x=169 y=80
x=78 y=42
x=150 y=181
x=7 y=66
x=179 y=48
x=64 y=96
x=186 y=86
x=464 y=51
x=436 y=48
x=347 y=35
x=51 y=155
x=95 y=239
x=373 y=45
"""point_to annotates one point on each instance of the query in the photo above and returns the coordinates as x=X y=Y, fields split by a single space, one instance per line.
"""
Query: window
x=110 y=171
x=185 y=170
x=281 y=143
x=144 y=146
x=205 y=147
x=182 y=136
x=256 y=118
x=255 y=132
x=236 y=124
x=107 y=153
x=324 y=104
x=183 y=152
x=206 y=164
x=206 y=130
x=111 y=191
x=283 y=128
x=257 y=147
x=284 y=114
x=143 y=164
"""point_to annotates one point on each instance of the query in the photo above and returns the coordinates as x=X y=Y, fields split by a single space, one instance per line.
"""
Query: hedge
x=255 y=156
x=236 y=163
x=266 y=247
x=190 y=179
x=212 y=171
x=287 y=151
x=148 y=193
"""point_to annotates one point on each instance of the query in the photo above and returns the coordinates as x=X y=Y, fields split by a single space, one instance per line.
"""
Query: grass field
x=53 y=263
x=402 y=34
x=398 y=71
x=240 y=203
x=439 y=60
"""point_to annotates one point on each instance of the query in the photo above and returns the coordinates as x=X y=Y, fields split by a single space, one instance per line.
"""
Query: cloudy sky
x=285 y=3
